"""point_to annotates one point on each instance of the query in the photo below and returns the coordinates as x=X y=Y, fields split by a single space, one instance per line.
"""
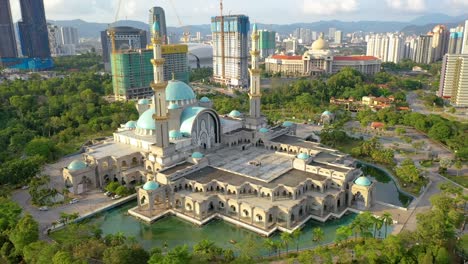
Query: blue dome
x=288 y=124
x=235 y=113
x=155 y=26
x=77 y=165
x=303 y=156
x=143 y=101
x=173 y=106
x=131 y=124
x=150 y=186
x=327 y=113
x=263 y=130
x=205 y=100
x=254 y=28
x=175 y=134
x=363 y=181
x=177 y=90
x=146 y=120
x=197 y=155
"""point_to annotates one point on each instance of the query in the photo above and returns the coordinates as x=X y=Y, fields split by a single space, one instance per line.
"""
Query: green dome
x=327 y=113
x=197 y=155
x=288 y=124
x=131 y=124
x=263 y=130
x=175 y=134
x=150 y=186
x=303 y=156
x=363 y=181
x=155 y=26
x=205 y=100
x=177 y=90
x=235 y=113
x=143 y=101
x=77 y=165
x=146 y=120
x=173 y=106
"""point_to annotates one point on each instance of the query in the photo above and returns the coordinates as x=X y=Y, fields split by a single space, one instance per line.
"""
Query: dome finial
x=173 y=76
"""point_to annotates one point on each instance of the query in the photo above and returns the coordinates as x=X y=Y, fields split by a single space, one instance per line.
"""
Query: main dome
x=320 y=44
x=177 y=90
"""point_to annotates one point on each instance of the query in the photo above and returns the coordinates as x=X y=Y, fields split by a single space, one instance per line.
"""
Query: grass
x=426 y=163
x=462 y=179
x=349 y=145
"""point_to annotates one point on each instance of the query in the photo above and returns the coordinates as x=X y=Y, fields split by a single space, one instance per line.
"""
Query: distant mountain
x=418 y=25
x=437 y=18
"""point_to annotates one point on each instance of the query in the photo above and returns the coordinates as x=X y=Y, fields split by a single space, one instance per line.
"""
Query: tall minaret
x=255 y=94
x=159 y=88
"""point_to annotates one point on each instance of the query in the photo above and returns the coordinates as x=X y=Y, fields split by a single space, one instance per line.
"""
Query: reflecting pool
x=174 y=231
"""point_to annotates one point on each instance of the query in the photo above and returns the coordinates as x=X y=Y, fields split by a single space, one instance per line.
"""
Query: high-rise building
x=291 y=45
x=440 y=42
x=55 y=40
x=423 y=52
x=7 y=32
x=69 y=35
x=34 y=37
x=331 y=33
x=338 y=37
x=396 y=48
x=465 y=39
x=456 y=40
x=267 y=43
x=157 y=14
x=132 y=71
x=126 y=38
x=388 y=48
x=454 y=79
x=230 y=66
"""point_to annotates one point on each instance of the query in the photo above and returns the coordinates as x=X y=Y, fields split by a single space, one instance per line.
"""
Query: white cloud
x=459 y=2
x=408 y=5
x=329 y=7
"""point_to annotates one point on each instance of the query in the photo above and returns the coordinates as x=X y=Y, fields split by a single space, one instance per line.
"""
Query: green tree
x=442 y=256
x=440 y=132
x=125 y=254
x=270 y=245
x=343 y=233
x=296 y=235
x=9 y=214
x=62 y=257
x=318 y=235
x=43 y=147
x=387 y=221
x=112 y=186
x=286 y=238
x=25 y=233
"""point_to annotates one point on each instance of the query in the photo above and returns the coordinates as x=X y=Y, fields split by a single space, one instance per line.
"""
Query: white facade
x=388 y=48
x=69 y=35
x=454 y=79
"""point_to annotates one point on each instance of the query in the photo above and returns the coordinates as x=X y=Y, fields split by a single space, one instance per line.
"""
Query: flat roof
x=113 y=149
x=294 y=141
x=330 y=166
x=292 y=178
x=176 y=168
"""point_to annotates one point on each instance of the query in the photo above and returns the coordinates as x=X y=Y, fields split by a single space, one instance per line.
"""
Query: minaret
x=255 y=120
x=159 y=88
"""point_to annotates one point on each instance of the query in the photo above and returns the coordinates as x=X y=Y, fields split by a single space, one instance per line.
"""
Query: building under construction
x=132 y=71
x=230 y=50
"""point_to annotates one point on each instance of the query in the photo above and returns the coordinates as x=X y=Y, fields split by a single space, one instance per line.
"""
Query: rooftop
x=114 y=149
x=330 y=167
x=286 y=57
x=295 y=141
x=354 y=58
x=176 y=168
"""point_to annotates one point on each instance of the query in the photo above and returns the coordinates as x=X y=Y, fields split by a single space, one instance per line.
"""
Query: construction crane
x=111 y=34
x=223 y=66
x=186 y=34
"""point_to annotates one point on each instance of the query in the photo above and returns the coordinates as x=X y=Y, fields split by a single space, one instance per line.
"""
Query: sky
x=195 y=12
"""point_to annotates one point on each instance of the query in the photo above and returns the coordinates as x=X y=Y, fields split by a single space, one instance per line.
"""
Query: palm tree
x=318 y=235
x=286 y=239
x=296 y=234
x=270 y=245
x=377 y=224
x=387 y=220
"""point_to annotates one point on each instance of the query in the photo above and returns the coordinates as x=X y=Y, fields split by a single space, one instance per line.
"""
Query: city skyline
x=197 y=11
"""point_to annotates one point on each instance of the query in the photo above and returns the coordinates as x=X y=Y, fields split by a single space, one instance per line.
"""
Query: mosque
x=185 y=159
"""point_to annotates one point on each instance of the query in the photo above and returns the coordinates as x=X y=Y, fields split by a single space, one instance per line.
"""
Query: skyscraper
x=267 y=43
x=34 y=36
x=157 y=14
x=424 y=49
x=69 y=35
x=338 y=36
x=7 y=32
x=232 y=68
x=388 y=48
x=440 y=41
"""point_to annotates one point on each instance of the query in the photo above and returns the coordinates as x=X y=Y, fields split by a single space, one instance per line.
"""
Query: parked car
x=107 y=193
x=74 y=201
x=110 y=194
x=115 y=197
x=43 y=208
x=25 y=187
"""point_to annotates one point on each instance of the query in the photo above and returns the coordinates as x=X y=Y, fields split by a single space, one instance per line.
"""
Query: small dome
x=173 y=106
x=131 y=124
x=155 y=26
x=143 y=101
x=320 y=44
x=327 y=113
x=197 y=155
x=303 y=156
x=177 y=90
x=150 y=186
x=77 y=165
x=288 y=124
x=175 y=134
x=205 y=100
x=235 y=113
x=146 y=120
x=363 y=181
x=263 y=130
